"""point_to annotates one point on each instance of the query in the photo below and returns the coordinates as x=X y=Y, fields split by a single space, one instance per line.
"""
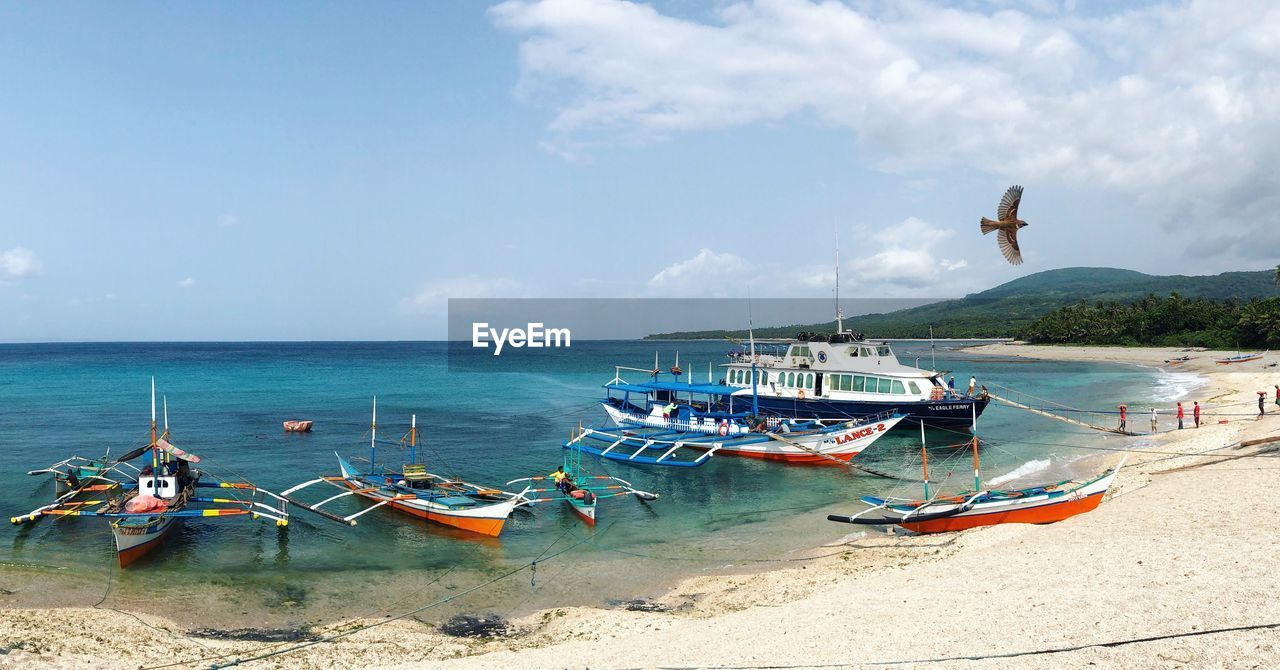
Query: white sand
x=1165 y=554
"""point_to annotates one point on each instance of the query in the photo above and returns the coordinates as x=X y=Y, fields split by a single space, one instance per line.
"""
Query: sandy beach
x=1175 y=569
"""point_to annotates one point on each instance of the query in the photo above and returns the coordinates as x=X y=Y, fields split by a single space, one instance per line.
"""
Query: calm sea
x=226 y=402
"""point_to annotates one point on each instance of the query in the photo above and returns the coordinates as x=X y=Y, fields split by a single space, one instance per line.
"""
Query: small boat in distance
x=1178 y=361
x=1044 y=503
x=414 y=491
x=297 y=426
x=1239 y=358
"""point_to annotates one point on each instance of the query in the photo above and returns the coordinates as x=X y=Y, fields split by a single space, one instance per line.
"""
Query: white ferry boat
x=843 y=376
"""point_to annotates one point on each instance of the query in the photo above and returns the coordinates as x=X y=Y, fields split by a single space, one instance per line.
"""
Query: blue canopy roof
x=679 y=387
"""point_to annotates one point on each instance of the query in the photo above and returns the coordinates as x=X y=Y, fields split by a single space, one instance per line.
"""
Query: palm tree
x=1277 y=277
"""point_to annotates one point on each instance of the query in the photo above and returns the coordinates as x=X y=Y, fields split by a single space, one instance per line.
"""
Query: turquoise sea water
x=226 y=402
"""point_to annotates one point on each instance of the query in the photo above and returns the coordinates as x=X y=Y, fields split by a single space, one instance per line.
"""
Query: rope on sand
x=1013 y=654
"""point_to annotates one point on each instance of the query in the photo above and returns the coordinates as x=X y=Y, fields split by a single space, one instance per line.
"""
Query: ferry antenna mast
x=839 y=313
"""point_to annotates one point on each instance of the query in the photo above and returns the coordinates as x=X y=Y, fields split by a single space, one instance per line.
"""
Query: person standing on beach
x=1122 y=410
x=1180 y=415
x=1277 y=395
x=1154 y=422
x=1262 y=404
x=1195 y=413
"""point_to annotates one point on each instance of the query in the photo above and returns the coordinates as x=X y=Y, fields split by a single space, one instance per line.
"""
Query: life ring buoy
x=723 y=429
x=800 y=394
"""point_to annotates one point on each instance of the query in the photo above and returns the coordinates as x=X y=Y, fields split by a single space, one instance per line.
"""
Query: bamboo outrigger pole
x=373 y=434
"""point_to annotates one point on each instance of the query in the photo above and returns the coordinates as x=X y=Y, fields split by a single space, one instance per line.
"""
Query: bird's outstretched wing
x=1008 y=209
x=1008 y=240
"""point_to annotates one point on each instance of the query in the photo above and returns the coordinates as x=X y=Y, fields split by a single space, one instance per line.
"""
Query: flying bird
x=1008 y=224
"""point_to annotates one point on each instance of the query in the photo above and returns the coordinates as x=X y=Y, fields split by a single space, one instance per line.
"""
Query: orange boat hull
x=1039 y=514
x=490 y=527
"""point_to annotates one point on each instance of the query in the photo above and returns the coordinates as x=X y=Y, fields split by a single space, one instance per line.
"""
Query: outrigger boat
x=414 y=491
x=570 y=485
x=76 y=477
x=144 y=511
x=790 y=441
x=1044 y=503
x=682 y=424
x=1239 y=358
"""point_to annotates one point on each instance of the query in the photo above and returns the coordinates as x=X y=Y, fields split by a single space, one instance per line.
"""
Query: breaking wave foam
x=1028 y=468
x=1172 y=386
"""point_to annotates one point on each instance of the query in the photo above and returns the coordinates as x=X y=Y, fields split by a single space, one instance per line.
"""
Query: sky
x=310 y=171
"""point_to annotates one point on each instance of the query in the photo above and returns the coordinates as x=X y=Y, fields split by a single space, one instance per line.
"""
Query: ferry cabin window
x=914 y=388
x=808 y=381
x=858 y=381
x=884 y=385
x=898 y=388
x=764 y=377
x=866 y=351
x=791 y=379
x=882 y=351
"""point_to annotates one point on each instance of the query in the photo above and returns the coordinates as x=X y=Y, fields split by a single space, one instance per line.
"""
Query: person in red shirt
x=1122 y=409
x=1195 y=413
x=1180 y=415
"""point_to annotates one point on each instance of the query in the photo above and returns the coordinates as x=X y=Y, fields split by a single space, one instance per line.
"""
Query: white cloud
x=906 y=257
x=229 y=220
x=1168 y=104
x=19 y=263
x=434 y=296
x=903 y=262
x=707 y=274
x=187 y=283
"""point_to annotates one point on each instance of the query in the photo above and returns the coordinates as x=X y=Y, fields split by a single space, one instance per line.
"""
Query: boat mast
x=164 y=402
x=924 y=455
x=933 y=353
x=751 y=333
x=977 y=481
x=155 y=450
x=373 y=433
x=413 y=434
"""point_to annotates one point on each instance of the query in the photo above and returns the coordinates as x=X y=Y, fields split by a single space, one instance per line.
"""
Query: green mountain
x=1008 y=309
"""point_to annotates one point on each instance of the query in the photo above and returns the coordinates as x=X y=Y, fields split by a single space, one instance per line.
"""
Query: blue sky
x=306 y=171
